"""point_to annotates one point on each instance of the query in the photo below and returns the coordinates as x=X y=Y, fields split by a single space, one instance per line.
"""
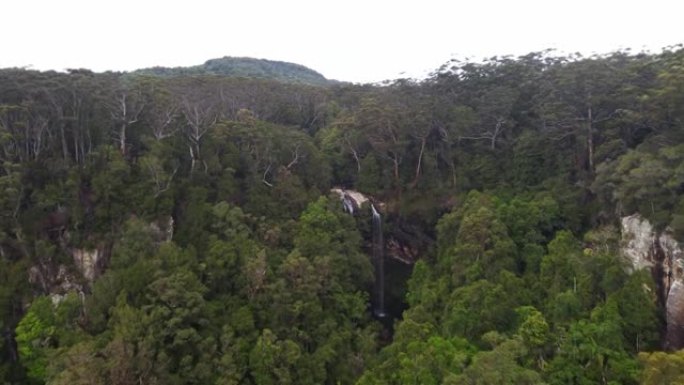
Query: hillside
x=245 y=67
x=514 y=221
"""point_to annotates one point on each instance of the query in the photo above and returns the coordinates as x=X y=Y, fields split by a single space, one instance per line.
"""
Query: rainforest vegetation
x=177 y=227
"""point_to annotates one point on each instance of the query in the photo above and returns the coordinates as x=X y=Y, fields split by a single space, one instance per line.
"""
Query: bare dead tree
x=125 y=110
x=161 y=179
x=491 y=133
x=295 y=157
x=200 y=115
x=263 y=176
x=163 y=111
x=162 y=123
x=60 y=119
x=387 y=142
x=8 y=139
x=36 y=128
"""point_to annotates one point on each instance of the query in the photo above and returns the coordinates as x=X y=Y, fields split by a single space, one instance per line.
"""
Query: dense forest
x=245 y=67
x=159 y=229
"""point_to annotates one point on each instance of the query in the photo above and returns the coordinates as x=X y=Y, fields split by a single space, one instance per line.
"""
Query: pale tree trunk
x=122 y=138
x=126 y=112
x=423 y=141
x=590 y=139
x=39 y=128
x=354 y=154
x=497 y=130
x=358 y=161
x=65 y=149
x=193 y=160
x=199 y=120
x=396 y=161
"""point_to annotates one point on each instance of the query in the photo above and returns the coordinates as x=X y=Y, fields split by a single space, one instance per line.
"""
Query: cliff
x=658 y=251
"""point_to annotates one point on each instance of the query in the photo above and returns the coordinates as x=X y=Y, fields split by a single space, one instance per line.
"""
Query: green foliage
x=44 y=327
x=221 y=262
x=533 y=329
x=247 y=68
x=645 y=182
x=498 y=366
x=33 y=337
x=662 y=368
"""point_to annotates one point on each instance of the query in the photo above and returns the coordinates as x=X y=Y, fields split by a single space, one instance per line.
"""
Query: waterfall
x=379 y=260
x=347 y=205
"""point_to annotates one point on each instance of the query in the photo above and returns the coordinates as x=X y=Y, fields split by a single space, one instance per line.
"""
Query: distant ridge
x=247 y=68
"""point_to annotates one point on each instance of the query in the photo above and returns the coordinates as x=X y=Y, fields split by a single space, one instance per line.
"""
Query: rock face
x=675 y=316
x=645 y=248
x=351 y=200
x=162 y=229
x=53 y=280
x=88 y=262
x=402 y=252
x=400 y=245
x=638 y=241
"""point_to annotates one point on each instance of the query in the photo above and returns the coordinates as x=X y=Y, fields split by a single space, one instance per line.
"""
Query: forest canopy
x=177 y=226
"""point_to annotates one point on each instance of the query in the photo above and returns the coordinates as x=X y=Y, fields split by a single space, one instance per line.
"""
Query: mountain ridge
x=246 y=67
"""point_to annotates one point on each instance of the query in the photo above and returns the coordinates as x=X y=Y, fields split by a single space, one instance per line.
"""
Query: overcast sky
x=352 y=40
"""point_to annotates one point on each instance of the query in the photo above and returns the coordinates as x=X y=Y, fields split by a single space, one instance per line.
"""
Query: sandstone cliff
x=646 y=248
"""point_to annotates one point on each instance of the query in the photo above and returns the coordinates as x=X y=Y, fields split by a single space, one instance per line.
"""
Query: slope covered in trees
x=180 y=229
x=245 y=67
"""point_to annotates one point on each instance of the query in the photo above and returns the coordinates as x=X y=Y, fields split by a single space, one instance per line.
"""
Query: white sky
x=352 y=40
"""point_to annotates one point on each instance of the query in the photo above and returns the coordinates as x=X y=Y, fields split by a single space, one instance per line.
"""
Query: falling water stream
x=379 y=260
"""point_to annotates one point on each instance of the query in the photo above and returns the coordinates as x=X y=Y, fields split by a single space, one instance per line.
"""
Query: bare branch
x=295 y=159
x=263 y=177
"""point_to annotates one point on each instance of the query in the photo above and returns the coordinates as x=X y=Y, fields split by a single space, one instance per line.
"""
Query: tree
x=661 y=368
x=174 y=319
x=125 y=108
x=198 y=106
x=385 y=126
x=534 y=331
x=35 y=336
x=498 y=366
x=493 y=108
x=580 y=96
x=481 y=247
x=163 y=110
x=593 y=352
x=273 y=361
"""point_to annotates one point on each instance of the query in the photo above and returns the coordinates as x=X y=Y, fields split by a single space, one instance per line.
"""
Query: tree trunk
x=193 y=160
x=122 y=139
x=395 y=160
x=497 y=131
x=420 y=162
x=590 y=140
x=65 y=149
x=358 y=161
x=76 y=157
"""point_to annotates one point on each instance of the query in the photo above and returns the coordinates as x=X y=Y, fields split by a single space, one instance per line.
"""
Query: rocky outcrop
x=56 y=282
x=402 y=252
x=88 y=262
x=59 y=281
x=638 y=240
x=162 y=229
x=674 y=309
x=402 y=245
x=351 y=200
x=645 y=248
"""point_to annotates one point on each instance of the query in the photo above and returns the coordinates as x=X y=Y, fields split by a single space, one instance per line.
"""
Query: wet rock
x=661 y=254
x=351 y=200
